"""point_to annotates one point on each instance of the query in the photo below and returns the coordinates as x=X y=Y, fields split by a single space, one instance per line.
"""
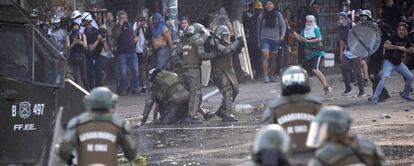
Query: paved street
x=217 y=143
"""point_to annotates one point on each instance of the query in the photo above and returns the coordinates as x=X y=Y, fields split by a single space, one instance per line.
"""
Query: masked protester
x=97 y=133
x=187 y=58
x=297 y=103
x=271 y=147
x=314 y=52
x=329 y=131
x=349 y=61
x=161 y=41
x=170 y=95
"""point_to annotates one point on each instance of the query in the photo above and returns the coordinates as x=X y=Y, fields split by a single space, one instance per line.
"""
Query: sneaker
x=347 y=92
x=274 y=79
x=327 y=90
x=372 y=100
x=408 y=98
x=208 y=115
x=361 y=94
x=266 y=79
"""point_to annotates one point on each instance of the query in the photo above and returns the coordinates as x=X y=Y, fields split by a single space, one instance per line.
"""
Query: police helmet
x=330 y=121
x=271 y=141
x=194 y=29
x=87 y=16
x=100 y=98
x=366 y=15
x=153 y=73
x=295 y=80
x=75 y=14
x=222 y=31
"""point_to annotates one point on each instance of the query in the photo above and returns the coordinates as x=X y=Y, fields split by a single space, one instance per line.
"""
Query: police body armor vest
x=190 y=55
x=339 y=154
x=165 y=80
x=97 y=142
x=222 y=63
x=295 y=116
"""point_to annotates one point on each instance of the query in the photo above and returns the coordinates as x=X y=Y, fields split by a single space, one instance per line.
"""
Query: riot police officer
x=330 y=128
x=271 y=146
x=169 y=94
x=187 y=57
x=222 y=72
x=96 y=134
x=294 y=110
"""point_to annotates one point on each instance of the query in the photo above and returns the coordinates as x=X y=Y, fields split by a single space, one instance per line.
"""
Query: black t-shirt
x=395 y=56
x=91 y=34
x=125 y=40
x=392 y=16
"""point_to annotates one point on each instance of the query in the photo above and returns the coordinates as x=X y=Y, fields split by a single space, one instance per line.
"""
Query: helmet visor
x=317 y=134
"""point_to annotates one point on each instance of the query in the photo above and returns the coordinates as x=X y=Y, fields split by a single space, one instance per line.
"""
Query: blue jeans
x=95 y=70
x=131 y=61
x=387 y=69
x=163 y=56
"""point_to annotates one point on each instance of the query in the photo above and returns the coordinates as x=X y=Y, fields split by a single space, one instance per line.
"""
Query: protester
x=291 y=47
x=350 y=61
x=398 y=46
x=271 y=29
x=312 y=38
x=161 y=41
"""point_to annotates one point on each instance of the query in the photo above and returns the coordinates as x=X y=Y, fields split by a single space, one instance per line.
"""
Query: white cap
x=75 y=14
x=87 y=16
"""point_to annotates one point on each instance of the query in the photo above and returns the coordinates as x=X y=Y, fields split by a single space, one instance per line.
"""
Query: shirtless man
x=161 y=41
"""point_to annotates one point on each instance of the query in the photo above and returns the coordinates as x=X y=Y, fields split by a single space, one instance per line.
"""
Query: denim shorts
x=269 y=45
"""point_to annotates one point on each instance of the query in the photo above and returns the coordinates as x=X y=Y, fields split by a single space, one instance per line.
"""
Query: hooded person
x=161 y=41
x=349 y=61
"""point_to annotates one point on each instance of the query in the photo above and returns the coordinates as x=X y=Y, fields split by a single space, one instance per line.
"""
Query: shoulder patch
x=80 y=119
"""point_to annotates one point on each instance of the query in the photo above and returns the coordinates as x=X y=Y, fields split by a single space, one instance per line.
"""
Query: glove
x=237 y=45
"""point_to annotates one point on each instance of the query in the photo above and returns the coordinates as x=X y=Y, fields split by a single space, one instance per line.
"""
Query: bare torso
x=160 y=41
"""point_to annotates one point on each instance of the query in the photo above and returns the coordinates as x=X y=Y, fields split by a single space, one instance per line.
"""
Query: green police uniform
x=97 y=133
x=360 y=151
x=96 y=137
x=170 y=95
x=329 y=131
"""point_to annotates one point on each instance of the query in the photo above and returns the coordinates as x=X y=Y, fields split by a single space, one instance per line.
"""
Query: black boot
x=226 y=117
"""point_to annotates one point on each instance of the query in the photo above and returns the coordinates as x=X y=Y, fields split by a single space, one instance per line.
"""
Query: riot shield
x=364 y=38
